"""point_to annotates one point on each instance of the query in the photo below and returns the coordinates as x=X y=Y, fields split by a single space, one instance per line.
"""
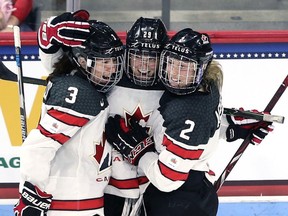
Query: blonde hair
x=214 y=74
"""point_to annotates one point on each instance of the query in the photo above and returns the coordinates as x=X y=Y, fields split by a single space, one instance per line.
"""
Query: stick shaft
x=17 y=42
x=246 y=141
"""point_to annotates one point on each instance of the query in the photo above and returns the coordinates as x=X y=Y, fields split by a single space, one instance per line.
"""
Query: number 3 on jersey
x=72 y=96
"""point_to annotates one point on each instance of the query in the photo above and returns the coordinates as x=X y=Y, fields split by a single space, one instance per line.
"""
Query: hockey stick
x=6 y=74
x=246 y=142
x=252 y=115
x=17 y=43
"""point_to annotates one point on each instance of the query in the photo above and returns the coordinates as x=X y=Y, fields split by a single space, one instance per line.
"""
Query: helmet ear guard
x=102 y=49
x=188 y=50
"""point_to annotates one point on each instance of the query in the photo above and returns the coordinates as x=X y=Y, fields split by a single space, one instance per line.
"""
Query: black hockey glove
x=33 y=201
x=240 y=127
x=66 y=30
x=131 y=141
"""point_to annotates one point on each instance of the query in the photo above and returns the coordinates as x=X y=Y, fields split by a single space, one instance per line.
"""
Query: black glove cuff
x=235 y=132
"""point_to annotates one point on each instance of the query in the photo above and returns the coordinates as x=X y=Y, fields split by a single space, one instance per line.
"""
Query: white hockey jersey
x=130 y=100
x=65 y=155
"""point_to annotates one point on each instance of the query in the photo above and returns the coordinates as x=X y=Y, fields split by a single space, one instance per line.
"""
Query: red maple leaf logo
x=139 y=116
x=100 y=156
x=100 y=149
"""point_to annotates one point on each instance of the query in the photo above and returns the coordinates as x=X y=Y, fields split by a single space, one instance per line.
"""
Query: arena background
x=254 y=64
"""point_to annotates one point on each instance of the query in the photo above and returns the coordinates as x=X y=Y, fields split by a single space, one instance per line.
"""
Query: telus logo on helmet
x=114 y=49
x=146 y=45
x=177 y=48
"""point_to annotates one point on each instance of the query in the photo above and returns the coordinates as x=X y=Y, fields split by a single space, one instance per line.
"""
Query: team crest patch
x=54 y=127
x=139 y=115
x=173 y=162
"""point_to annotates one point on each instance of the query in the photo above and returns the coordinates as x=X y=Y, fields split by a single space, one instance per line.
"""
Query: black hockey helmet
x=144 y=43
x=190 y=49
x=103 y=45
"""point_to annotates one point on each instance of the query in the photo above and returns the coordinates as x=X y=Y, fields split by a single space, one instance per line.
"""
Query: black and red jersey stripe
x=68 y=118
x=180 y=151
x=171 y=174
x=58 y=137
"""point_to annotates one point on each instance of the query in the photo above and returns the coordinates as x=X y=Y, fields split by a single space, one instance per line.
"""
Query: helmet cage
x=181 y=75
x=104 y=73
x=142 y=66
x=145 y=41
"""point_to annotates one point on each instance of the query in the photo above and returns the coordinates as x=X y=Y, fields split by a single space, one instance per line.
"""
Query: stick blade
x=6 y=74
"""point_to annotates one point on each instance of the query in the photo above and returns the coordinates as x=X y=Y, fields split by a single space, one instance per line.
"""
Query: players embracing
x=165 y=118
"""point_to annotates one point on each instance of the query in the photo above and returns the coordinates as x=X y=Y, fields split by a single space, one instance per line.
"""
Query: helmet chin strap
x=201 y=89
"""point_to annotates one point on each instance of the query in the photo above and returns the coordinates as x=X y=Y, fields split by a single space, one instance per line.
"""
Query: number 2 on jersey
x=190 y=128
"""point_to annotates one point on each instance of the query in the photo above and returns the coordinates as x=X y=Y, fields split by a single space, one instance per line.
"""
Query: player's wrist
x=33 y=201
x=235 y=132
x=146 y=145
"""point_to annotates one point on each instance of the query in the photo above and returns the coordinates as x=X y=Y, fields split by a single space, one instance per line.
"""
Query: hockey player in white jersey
x=185 y=131
x=65 y=162
x=135 y=96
